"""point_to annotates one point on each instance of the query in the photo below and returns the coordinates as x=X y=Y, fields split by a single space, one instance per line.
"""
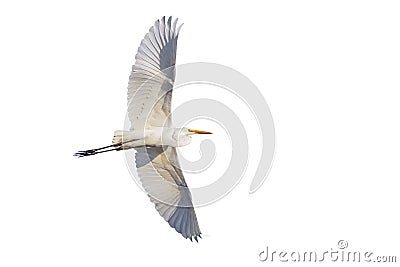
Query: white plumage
x=151 y=133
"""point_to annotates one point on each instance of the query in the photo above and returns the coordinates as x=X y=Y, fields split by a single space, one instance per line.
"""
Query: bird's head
x=182 y=136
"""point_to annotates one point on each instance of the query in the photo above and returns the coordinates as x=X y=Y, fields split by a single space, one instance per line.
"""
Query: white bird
x=151 y=133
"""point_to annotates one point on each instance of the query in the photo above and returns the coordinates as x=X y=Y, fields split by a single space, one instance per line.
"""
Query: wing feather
x=152 y=77
x=161 y=177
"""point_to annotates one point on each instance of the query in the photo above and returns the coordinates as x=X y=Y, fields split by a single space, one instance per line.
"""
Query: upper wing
x=152 y=76
x=160 y=174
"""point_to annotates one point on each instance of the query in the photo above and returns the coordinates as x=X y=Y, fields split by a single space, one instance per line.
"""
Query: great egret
x=151 y=133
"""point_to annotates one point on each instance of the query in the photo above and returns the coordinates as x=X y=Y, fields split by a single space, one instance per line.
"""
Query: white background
x=329 y=71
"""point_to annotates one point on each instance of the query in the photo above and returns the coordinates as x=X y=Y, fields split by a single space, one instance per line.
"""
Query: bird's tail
x=128 y=139
x=118 y=137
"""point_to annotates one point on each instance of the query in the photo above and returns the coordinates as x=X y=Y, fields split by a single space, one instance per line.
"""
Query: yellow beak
x=198 y=131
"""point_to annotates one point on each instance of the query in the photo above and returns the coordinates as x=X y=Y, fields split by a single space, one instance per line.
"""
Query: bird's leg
x=122 y=140
x=115 y=147
x=95 y=151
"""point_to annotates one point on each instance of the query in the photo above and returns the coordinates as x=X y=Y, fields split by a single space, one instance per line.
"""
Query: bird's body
x=152 y=134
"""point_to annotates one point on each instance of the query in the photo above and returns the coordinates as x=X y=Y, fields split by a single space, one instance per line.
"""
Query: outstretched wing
x=162 y=178
x=152 y=77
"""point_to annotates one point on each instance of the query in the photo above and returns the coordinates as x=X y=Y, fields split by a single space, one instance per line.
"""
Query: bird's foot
x=85 y=153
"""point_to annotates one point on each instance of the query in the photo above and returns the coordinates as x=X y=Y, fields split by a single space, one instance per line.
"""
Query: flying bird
x=152 y=134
